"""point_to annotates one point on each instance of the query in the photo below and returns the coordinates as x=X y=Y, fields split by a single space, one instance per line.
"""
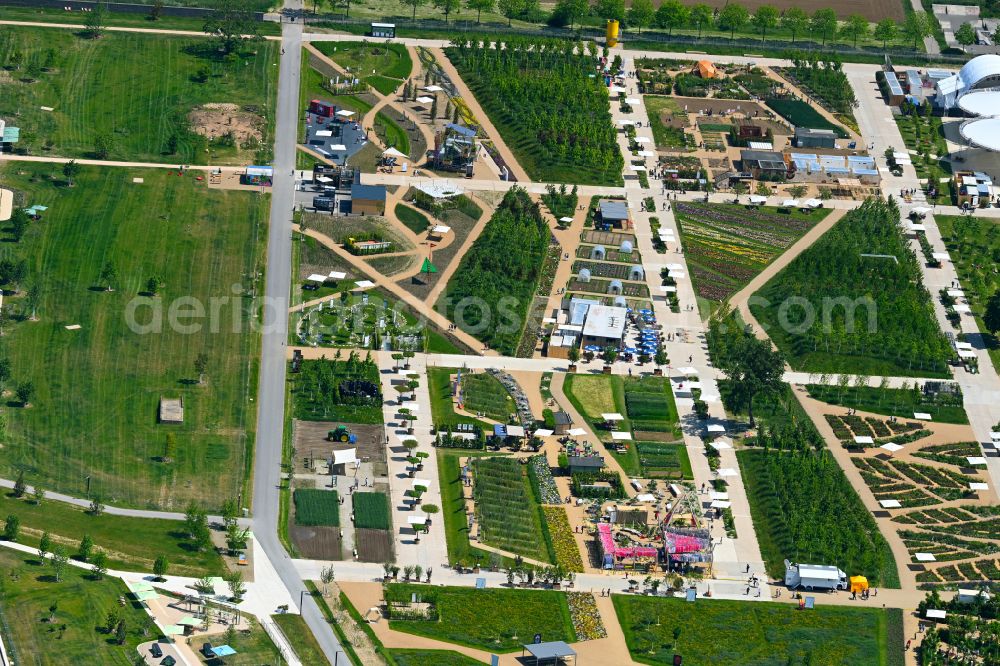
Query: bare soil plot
x=373 y=545
x=317 y=543
x=311 y=443
x=215 y=120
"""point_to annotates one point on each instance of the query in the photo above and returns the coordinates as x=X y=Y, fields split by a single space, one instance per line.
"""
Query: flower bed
x=563 y=543
x=586 y=618
x=545 y=485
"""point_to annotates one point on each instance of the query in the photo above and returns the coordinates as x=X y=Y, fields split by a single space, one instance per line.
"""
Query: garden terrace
x=598 y=286
x=613 y=255
x=974 y=245
x=77 y=607
x=865 y=262
x=728 y=245
x=551 y=112
x=316 y=391
x=848 y=426
x=956 y=454
x=943 y=406
x=492 y=272
x=506 y=507
x=390 y=63
x=353 y=321
x=805 y=510
x=913 y=484
x=107 y=105
x=103 y=381
x=470 y=617
x=439 y=384
x=734 y=633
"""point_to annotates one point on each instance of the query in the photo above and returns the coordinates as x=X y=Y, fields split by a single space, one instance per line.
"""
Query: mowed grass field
x=134 y=89
x=81 y=605
x=94 y=413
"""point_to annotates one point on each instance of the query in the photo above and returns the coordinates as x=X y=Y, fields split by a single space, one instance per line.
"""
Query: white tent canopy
x=620 y=435
x=392 y=152
x=612 y=416
x=891 y=447
x=344 y=113
x=345 y=457
x=576 y=432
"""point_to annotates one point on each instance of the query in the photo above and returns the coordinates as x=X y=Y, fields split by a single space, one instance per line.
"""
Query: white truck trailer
x=814 y=577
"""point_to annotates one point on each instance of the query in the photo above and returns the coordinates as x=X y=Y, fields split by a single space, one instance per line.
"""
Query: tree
x=231 y=23
x=102 y=146
x=58 y=562
x=886 y=31
x=236 y=537
x=201 y=366
x=326 y=576
x=25 y=391
x=672 y=14
x=169 y=448
x=156 y=10
x=96 y=506
x=446 y=7
x=414 y=4
x=196 y=527
x=12 y=527
x=96 y=21
x=108 y=276
x=824 y=23
x=237 y=588
x=764 y=19
x=34 y=297
x=99 y=565
x=753 y=367
x=732 y=18
x=917 y=26
x=85 y=548
x=120 y=632
x=44 y=544
x=507 y=8
x=611 y=9
x=856 y=27
x=798 y=190
x=19 y=222
x=571 y=10
x=609 y=355
x=160 y=566
x=70 y=169
x=479 y=6
x=574 y=354
x=153 y=285
x=965 y=35
x=991 y=317
x=795 y=21
x=173 y=141
x=701 y=15
x=641 y=14
x=19 y=485
x=763 y=189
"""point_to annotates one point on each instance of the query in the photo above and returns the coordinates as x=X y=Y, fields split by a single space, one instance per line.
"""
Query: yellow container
x=612 y=33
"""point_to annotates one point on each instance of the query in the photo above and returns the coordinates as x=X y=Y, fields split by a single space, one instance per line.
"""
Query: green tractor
x=342 y=434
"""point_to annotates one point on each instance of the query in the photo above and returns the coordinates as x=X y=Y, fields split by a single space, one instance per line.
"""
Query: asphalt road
x=271 y=391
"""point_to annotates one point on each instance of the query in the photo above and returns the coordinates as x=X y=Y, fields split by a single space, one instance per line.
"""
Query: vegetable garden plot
x=371 y=510
x=633 y=257
x=864 y=260
x=540 y=95
x=663 y=461
x=804 y=509
x=506 y=507
x=602 y=269
x=629 y=289
x=316 y=507
x=482 y=393
x=373 y=545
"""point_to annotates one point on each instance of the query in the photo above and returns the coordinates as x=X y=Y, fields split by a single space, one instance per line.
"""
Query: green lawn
x=416 y=221
x=892 y=402
x=253 y=649
x=735 y=633
x=483 y=393
x=306 y=647
x=77 y=635
x=134 y=90
x=594 y=395
x=470 y=617
x=131 y=544
x=102 y=383
x=371 y=510
x=383 y=66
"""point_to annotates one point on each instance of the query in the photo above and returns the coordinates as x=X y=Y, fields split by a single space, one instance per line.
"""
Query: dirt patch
x=311 y=443
x=373 y=545
x=217 y=120
x=317 y=543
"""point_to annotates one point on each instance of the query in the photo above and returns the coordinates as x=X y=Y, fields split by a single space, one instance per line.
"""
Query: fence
x=280 y=640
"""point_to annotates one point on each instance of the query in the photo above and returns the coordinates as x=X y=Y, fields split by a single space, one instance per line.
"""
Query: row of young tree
x=546 y=92
x=854 y=301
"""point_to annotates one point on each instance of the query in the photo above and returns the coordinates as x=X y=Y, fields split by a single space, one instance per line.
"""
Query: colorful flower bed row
x=586 y=618
x=547 y=490
x=564 y=545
